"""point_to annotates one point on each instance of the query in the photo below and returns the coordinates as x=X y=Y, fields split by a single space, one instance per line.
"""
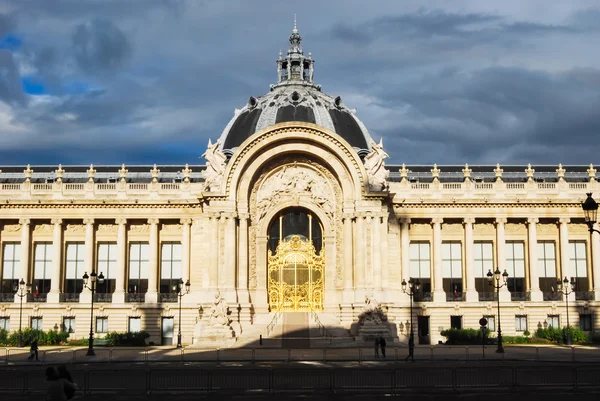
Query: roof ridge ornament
x=295 y=68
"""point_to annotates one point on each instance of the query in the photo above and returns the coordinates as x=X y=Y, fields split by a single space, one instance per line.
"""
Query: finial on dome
x=295 y=27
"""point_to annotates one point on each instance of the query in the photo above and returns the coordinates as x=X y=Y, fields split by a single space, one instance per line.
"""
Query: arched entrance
x=296 y=262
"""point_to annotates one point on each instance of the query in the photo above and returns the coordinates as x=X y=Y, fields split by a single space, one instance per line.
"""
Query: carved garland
x=282 y=132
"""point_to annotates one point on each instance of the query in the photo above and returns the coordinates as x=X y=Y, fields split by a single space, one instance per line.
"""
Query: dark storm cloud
x=11 y=90
x=7 y=24
x=99 y=46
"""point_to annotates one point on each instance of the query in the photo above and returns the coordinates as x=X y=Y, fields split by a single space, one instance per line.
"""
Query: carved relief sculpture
x=376 y=172
x=215 y=167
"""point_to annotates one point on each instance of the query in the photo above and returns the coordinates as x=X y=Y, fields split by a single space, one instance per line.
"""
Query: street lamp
x=178 y=288
x=563 y=288
x=494 y=280
x=21 y=290
x=590 y=210
x=92 y=278
x=413 y=287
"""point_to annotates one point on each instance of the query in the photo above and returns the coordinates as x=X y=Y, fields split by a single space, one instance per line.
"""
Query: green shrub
x=463 y=336
x=514 y=340
x=559 y=335
x=44 y=338
x=137 y=339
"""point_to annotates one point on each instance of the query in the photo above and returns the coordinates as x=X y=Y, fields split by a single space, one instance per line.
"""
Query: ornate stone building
x=295 y=210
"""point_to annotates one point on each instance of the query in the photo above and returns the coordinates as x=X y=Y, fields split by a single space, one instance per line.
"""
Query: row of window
x=484 y=261
x=585 y=322
x=106 y=263
x=68 y=324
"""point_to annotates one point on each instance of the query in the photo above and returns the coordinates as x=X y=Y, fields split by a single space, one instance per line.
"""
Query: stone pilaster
x=152 y=293
x=501 y=254
x=54 y=294
x=348 y=260
x=243 y=296
x=185 y=249
x=534 y=277
x=24 y=257
x=359 y=258
x=565 y=270
x=438 y=284
x=595 y=246
x=119 y=294
x=469 y=280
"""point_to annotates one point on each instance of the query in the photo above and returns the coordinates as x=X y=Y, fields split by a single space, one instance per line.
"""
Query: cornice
x=102 y=206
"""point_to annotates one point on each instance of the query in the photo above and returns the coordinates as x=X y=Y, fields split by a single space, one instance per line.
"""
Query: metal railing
x=7 y=297
x=584 y=295
x=488 y=296
x=455 y=297
x=132 y=297
x=322 y=329
x=69 y=297
x=103 y=297
x=271 y=326
x=168 y=297
x=315 y=379
x=520 y=296
x=423 y=297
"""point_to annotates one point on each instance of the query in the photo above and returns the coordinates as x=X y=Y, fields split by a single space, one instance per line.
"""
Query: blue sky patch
x=33 y=86
x=10 y=42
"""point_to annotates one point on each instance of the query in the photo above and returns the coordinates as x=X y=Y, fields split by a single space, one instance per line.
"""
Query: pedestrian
x=382 y=343
x=33 y=350
x=63 y=373
x=57 y=385
x=411 y=348
x=376 y=346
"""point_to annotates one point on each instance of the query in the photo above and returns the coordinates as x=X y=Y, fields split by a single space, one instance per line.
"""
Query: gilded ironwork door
x=296 y=276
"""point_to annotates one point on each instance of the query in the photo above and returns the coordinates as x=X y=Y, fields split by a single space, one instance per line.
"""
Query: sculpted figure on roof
x=375 y=166
x=215 y=167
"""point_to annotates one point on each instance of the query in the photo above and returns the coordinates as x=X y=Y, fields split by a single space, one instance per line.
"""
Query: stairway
x=296 y=333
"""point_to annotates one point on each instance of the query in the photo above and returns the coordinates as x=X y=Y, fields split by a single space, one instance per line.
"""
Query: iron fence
x=153 y=355
x=390 y=380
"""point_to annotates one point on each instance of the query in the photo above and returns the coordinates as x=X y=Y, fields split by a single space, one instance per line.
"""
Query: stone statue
x=375 y=166
x=218 y=314
x=372 y=314
x=215 y=167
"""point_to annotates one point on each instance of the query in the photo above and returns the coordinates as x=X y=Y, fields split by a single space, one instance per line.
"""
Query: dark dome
x=295 y=103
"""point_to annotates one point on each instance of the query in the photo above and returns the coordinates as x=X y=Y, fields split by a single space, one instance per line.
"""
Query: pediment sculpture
x=215 y=167
x=294 y=180
x=377 y=174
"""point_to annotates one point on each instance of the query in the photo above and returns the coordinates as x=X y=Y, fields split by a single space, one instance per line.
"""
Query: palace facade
x=296 y=210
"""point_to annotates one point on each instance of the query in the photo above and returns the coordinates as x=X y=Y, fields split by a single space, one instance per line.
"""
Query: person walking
x=376 y=346
x=411 y=348
x=33 y=350
x=63 y=373
x=56 y=386
x=382 y=343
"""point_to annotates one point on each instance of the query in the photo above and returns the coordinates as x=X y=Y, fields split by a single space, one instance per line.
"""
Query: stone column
x=359 y=258
x=534 y=278
x=25 y=246
x=152 y=293
x=565 y=269
x=376 y=260
x=348 y=259
x=229 y=264
x=120 y=279
x=501 y=255
x=405 y=250
x=185 y=249
x=438 y=283
x=242 y=292
x=89 y=245
x=469 y=280
x=368 y=227
x=213 y=260
x=595 y=247
x=54 y=294
x=330 y=304
x=385 y=265
x=261 y=301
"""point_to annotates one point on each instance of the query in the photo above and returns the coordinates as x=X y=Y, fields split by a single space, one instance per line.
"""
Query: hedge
x=44 y=338
x=137 y=339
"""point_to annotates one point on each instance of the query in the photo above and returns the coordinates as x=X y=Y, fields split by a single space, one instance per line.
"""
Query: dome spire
x=295 y=67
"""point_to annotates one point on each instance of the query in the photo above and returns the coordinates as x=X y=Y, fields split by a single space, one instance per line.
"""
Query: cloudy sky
x=150 y=81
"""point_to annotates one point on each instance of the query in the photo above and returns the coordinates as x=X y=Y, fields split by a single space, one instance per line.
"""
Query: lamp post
x=180 y=293
x=563 y=288
x=494 y=280
x=413 y=287
x=92 y=278
x=21 y=290
x=590 y=210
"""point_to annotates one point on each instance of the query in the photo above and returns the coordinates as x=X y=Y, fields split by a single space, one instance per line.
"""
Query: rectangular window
x=5 y=323
x=139 y=260
x=452 y=268
x=42 y=268
x=491 y=323
x=483 y=259
x=585 y=321
x=11 y=254
x=68 y=324
x=107 y=265
x=520 y=323
x=553 y=321
x=456 y=322
x=101 y=325
x=547 y=268
x=36 y=323
x=420 y=264
x=74 y=267
x=170 y=266
x=578 y=265
x=135 y=324
x=515 y=265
